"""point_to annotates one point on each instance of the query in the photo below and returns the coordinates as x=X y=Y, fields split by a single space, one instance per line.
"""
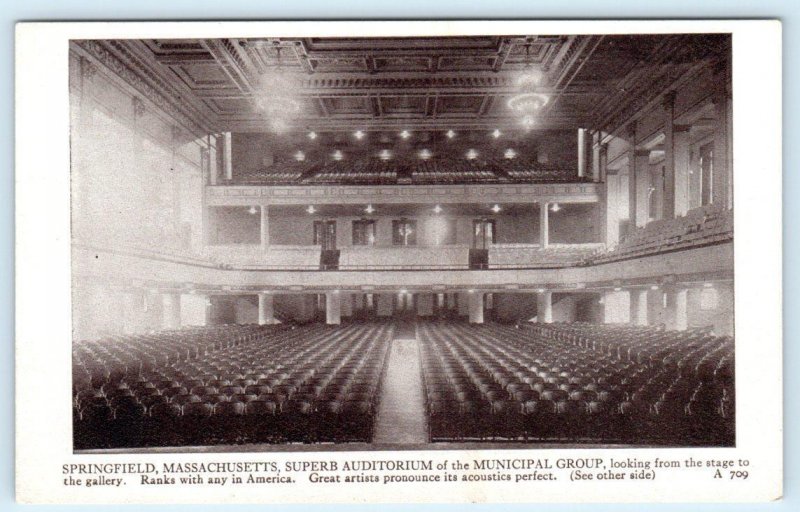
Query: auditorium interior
x=289 y=243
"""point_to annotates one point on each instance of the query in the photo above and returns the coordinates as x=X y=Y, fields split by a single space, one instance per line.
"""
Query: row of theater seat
x=707 y=225
x=436 y=170
x=497 y=382
x=310 y=384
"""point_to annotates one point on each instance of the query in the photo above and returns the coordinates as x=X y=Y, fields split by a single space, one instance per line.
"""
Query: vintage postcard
x=348 y=262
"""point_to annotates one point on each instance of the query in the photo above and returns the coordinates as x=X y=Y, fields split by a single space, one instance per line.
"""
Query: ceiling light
x=337 y=155
x=369 y=209
x=405 y=134
x=496 y=133
x=528 y=102
x=510 y=153
x=472 y=154
x=530 y=79
x=311 y=209
x=708 y=285
x=359 y=134
x=528 y=122
x=450 y=134
x=252 y=210
x=554 y=207
x=540 y=290
x=437 y=209
x=617 y=289
x=654 y=287
x=403 y=291
x=496 y=208
x=385 y=154
x=312 y=135
x=300 y=156
x=425 y=154
x=470 y=291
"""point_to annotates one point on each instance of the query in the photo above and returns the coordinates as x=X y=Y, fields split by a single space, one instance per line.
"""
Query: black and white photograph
x=319 y=243
x=398 y=262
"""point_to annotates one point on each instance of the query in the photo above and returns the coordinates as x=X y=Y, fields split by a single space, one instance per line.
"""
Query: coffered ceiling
x=412 y=83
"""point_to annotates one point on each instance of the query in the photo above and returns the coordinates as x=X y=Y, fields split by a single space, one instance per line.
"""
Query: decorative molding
x=138 y=107
x=88 y=69
x=304 y=194
x=135 y=77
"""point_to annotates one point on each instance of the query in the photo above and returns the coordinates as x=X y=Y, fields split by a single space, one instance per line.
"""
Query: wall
x=510 y=307
x=298 y=230
x=300 y=308
x=233 y=225
x=193 y=309
x=564 y=307
x=719 y=318
x=137 y=180
x=575 y=224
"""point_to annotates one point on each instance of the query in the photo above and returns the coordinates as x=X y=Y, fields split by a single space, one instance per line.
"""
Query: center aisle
x=401 y=417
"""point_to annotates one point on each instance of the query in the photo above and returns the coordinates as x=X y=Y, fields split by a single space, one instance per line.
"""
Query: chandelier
x=528 y=102
x=275 y=95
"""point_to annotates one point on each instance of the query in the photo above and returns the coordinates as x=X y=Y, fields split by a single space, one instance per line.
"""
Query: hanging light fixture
x=252 y=210
x=369 y=209
x=275 y=95
x=528 y=102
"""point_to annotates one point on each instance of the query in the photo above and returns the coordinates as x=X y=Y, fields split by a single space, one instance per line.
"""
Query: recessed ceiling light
x=425 y=154
x=496 y=208
x=369 y=209
x=405 y=134
x=311 y=209
x=437 y=209
x=300 y=156
x=555 y=207
x=496 y=133
x=312 y=135
x=359 y=134
x=450 y=134
x=472 y=154
x=510 y=153
x=337 y=155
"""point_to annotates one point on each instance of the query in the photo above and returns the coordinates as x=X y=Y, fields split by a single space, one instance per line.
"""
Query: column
x=264 y=228
x=476 y=307
x=544 y=307
x=611 y=213
x=213 y=169
x=425 y=304
x=639 y=307
x=544 y=224
x=266 y=309
x=333 y=308
x=581 y=152
x=681 y=177
x=642 y=164
x=596 y=175
x=668 y=211
x=227 y=163
x=616 y=307
x=359 y=302
x=720 y=186
x=632 y=199
x=170 y=310
x=677 y=311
